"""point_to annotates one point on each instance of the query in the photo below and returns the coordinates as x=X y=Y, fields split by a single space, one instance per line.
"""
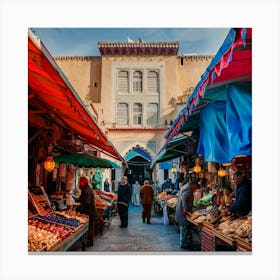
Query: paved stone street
x=138 y=237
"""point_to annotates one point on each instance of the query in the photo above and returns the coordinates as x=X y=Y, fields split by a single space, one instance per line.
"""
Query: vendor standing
x=184 y=206
x=243 y=196
x=87 y=206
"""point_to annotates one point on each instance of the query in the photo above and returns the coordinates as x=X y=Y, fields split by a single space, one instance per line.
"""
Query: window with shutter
x=137 y=81
x=123 y=84
x=152 y=114
x=137 y=113
x=152 y=82
x=122 y=114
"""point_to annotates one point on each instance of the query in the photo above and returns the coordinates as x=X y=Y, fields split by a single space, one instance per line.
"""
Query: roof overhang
x=48 y=85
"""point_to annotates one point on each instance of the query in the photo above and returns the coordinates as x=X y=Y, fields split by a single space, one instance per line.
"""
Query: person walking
x=146 y=197
x=156 y=187
x=124 y=195
x=106 y=185
x=135 y=199
x=87 y=206
x=185 y=205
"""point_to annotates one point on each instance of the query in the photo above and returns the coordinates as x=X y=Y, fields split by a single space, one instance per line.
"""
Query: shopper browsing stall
x=87 y=206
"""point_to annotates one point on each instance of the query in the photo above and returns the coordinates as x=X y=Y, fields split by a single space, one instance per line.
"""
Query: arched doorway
x=139 y=162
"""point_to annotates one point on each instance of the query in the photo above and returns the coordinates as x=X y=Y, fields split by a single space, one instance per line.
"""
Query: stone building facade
x=134 y=90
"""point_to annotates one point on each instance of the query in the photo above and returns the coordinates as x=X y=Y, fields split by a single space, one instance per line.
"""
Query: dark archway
x=139 y=162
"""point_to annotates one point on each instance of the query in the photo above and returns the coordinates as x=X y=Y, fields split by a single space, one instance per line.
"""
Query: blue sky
x=83 y=41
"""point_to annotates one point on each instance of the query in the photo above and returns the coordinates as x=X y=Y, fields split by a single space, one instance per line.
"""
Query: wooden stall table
x=242 y=245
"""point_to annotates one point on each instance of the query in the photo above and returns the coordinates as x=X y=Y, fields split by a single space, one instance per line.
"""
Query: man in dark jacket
x=184 y=205
x=87 y=206
x=124 y=195
x=243 y=200
x=146 y=197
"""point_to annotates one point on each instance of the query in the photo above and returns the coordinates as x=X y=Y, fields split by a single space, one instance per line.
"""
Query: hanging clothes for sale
x=97 y=179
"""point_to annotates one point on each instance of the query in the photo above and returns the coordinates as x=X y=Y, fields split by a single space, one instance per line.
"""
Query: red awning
x=49 y=84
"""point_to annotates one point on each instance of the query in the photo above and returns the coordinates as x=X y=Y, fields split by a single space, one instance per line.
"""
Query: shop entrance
x=138 y=169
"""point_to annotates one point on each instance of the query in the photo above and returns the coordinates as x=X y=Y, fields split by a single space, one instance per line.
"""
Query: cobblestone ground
x=138 y=237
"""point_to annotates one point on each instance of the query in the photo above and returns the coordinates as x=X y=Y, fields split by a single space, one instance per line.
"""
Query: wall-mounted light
x=173 y=169
x=49 y=164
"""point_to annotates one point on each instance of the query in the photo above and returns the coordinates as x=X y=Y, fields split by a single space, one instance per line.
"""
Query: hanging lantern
x=173 y=169
x=197 y=168
x=222 y=172
x=49 y=164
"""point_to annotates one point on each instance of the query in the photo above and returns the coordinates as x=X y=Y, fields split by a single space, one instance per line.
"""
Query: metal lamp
x=197 y=168
x=222 y=172
x=49 y=164
x=173 y=169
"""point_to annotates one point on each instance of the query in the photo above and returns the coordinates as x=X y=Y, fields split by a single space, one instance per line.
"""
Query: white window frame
x=121 y=114
x=137 y=114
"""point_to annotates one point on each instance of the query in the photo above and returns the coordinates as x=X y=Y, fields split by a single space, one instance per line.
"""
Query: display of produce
x=213 y=216
x=72 y=222
x=71 y=214
x=110 y=195
x=58 y=195
x=162 y=194
x=206 y=200
x=171 y=202
x=39 y=203
x=240 y=227
x=99 y=202
x=41 y=240
x=61 y=230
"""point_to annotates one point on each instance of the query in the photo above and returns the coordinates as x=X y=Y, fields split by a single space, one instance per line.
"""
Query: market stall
x=64 y=144
x=50 y=230
x=212 y=137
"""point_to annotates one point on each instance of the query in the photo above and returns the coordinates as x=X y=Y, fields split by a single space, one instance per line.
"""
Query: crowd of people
x=137 y=194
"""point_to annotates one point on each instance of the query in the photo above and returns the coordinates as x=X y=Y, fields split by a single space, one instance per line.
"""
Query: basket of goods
x=171 y=202
x=161 y=195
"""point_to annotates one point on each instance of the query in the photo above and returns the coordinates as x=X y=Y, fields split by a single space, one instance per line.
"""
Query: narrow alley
x=138 y=237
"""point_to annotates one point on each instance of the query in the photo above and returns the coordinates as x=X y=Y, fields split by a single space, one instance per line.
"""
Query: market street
x=138 y=237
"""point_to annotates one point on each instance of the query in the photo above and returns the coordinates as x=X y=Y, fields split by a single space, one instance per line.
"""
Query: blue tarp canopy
x=220 y=107
x=231 y=64
x=226 y=126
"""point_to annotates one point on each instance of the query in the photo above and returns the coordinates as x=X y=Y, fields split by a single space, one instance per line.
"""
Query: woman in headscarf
x=87 y=207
